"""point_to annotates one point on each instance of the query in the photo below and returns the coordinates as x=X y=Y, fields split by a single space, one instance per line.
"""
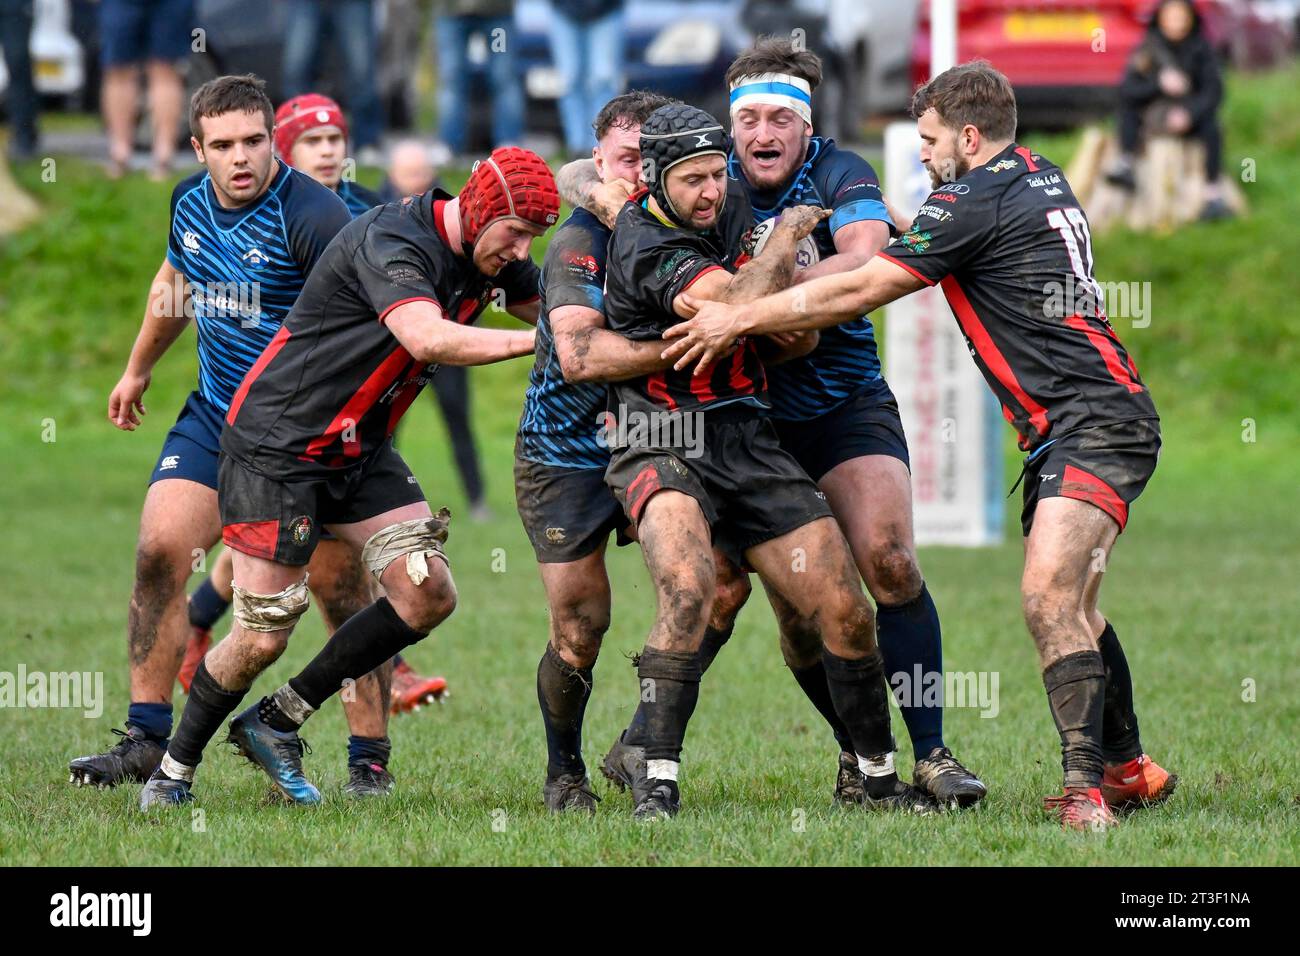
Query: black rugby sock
x=670 y=688
x=812 y=681
x=1076 y=691
x=861 y=698
x=206 y=709
x=714 y=638
x=562 y=694
x=1119 y=726
x=366 y=640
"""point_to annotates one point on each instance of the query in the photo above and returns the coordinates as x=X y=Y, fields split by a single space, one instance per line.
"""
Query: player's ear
x=198 y=149
x=970 y=139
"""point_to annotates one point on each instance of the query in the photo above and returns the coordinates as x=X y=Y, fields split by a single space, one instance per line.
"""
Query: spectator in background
x=1172 y=87
x=351 y=24
x=410 y=171
x=20 y=97
x=154 y=34
x=456 y=22
x=587 y=49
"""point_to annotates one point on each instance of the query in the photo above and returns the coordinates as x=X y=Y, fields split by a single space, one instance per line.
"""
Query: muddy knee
x=895 y=576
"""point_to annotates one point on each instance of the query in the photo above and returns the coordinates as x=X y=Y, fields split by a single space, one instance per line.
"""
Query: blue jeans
x=589 y=57
x=15 y=37
x=454 y=95
x=352 y=24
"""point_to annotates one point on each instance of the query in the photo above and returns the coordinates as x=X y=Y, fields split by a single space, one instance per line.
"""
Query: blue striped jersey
x=560 y=421
x=845 y=361
x=246 y=266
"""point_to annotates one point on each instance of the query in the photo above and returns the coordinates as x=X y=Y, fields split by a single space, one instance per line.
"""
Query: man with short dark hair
x=245 y=233
x=1001 y=230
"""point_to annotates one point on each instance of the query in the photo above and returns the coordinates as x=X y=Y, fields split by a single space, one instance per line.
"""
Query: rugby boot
x=624 y=767
x=951 y=784
x=198 y=644
x=1082 y=809
x=904 y=798
x=368 y=779
x=161 y=790
x=661 y=801
x=411 y=690
x=1138 y=783
x=848 y=781
x=131 y=760
x=569 y=792
x=278 y=753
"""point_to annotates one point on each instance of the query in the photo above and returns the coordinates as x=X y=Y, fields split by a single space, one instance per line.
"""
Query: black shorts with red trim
x=568 y=513
x=866 y=423
x=749 y=488
x=1107 y=466
x=282 y=520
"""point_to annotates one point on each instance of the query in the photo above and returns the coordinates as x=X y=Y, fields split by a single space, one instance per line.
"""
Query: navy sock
x=206 y=605
x=369 y=750
x=154 y=719
x=910 y=641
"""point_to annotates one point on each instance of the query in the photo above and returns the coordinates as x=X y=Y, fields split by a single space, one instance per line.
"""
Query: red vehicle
x=1066 y=57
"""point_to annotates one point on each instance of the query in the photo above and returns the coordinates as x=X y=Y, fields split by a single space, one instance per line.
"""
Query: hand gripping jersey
x=560 y=420
x=845 y=360
x=334 y=382
x=650 y=263
x=246 y=266
x=1010 y=247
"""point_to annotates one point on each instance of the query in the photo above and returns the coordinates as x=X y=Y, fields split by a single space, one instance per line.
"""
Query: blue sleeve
x=313 y=216
x=853 y=190
x=175 y=254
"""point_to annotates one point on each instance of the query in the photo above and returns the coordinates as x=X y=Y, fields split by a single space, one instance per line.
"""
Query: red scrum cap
x=303 y=113
x=510 y=183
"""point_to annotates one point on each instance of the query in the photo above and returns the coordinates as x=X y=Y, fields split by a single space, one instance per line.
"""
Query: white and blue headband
x=773 y=89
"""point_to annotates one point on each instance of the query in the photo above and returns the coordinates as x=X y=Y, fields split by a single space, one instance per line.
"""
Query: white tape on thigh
x=416 y=540
x=271 y=612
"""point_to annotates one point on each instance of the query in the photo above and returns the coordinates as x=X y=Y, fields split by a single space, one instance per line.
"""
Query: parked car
x=1065 y=60
x=58 y=61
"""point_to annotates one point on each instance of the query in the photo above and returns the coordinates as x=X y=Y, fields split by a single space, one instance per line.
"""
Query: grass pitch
x=1201 y=590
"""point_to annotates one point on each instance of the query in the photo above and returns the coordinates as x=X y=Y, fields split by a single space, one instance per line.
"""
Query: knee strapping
x=271 y=612
x=416 y=540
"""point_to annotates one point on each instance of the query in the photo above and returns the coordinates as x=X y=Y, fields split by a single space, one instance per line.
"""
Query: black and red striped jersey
x=651 y=262
x=1010 y=247
x=330 y=388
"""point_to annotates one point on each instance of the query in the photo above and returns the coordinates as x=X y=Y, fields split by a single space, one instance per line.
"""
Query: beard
x=938 y=177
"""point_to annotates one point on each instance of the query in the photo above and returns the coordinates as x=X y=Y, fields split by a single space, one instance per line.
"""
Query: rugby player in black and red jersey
x=696 y=461
x=1001 y=234
x=308 y=444
x=311 y=135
